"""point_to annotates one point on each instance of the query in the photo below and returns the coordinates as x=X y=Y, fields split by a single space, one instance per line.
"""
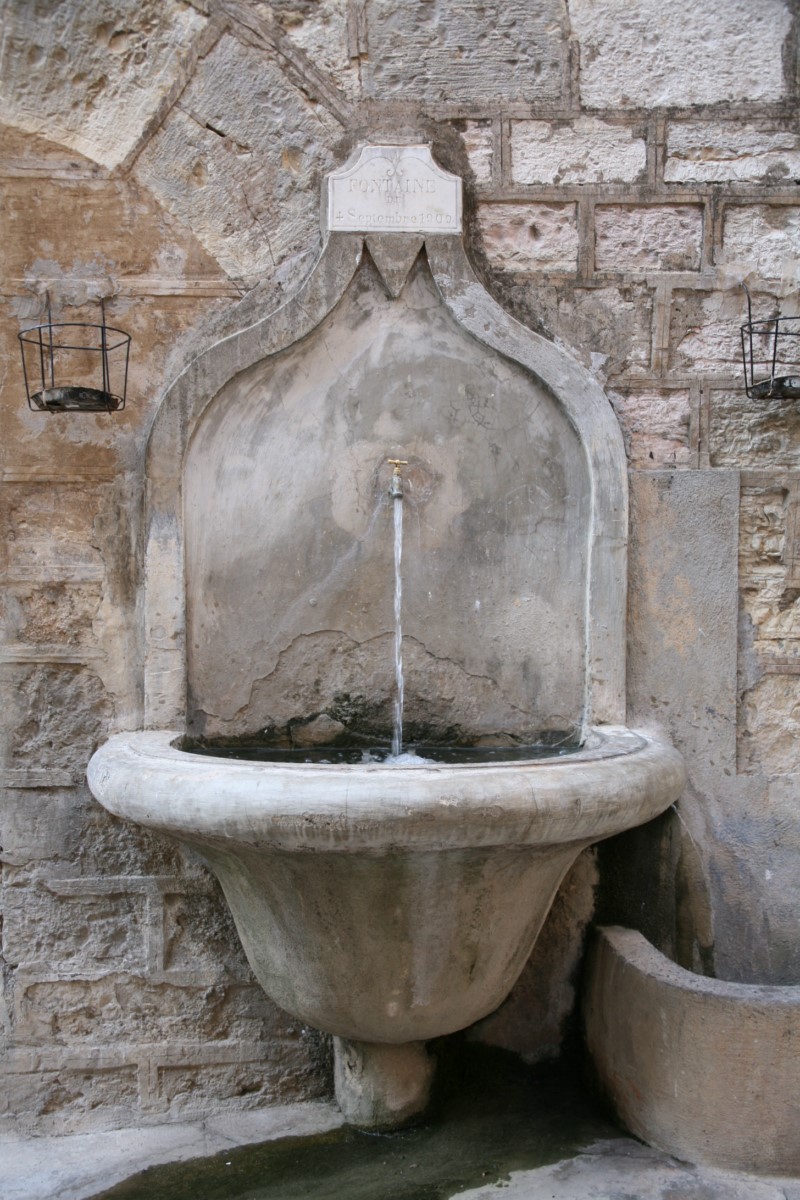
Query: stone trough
x=705 y=1069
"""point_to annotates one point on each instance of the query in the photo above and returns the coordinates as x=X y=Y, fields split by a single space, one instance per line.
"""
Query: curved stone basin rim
x=621 y=778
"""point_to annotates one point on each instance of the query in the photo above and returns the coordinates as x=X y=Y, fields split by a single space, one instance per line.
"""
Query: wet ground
x=494 y=1116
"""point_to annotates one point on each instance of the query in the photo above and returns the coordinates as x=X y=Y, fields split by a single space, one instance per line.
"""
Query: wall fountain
x=386 y=902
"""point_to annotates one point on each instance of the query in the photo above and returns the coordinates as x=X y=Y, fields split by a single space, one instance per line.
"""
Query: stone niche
x=289 y=534
x=269 y=590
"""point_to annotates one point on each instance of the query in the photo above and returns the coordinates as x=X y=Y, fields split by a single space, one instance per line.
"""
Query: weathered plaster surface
x=684 y=674
x=295 y=616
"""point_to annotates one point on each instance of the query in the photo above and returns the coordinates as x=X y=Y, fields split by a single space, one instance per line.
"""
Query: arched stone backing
x=479 y=317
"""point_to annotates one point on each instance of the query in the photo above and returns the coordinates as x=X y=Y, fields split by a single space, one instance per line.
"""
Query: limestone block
x=762 y=532
x=662 y=237
x=72 y=932
x=656 y=428
x=586 y=151
x=322 y=29
x=705 y=331
x=465 y=50
x=266 y=1075
x=769 y=711
x=40 y=825
x=752 y=433
x=731 y=151
x=769 y=737
x=57 y=712
x=65 y=826
x=113 y=847
x=607 y=327
x=239 y=161
x=705 y=1069
x=530 y=237
x=120 y=1008
x=765 y=239
x=40 y=613
x=91 y=75
x=478 y=139
x=773 y=611
x=662 y=52
x=769 y=638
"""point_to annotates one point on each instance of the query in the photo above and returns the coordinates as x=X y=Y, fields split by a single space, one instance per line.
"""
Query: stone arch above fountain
x=386 y=278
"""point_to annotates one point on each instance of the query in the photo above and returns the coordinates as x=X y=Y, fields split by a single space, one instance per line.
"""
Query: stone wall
x=626 y=166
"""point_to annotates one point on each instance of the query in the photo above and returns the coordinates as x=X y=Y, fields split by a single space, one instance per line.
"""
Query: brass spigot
x=396 y=486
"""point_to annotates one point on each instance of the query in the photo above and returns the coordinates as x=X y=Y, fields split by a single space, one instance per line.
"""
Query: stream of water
x=397 y=735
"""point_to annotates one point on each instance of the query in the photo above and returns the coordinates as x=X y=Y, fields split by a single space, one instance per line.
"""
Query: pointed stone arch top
x=582 y=400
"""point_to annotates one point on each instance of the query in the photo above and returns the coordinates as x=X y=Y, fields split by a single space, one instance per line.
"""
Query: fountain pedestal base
x=381 y=1086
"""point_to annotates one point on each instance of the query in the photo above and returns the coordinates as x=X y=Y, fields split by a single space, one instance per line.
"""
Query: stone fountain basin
x=388 y=903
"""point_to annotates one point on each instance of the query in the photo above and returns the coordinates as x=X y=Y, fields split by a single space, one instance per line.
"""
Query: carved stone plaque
x=394 y=189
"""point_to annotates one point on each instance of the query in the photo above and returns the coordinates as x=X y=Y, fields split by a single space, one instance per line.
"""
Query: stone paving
x=76 y=1167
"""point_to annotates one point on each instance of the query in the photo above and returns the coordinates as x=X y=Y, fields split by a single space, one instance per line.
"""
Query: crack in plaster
x=408 y=641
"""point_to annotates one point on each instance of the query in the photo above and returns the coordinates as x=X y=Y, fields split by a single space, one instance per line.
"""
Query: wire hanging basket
x=771 y=356
x=75 y=366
